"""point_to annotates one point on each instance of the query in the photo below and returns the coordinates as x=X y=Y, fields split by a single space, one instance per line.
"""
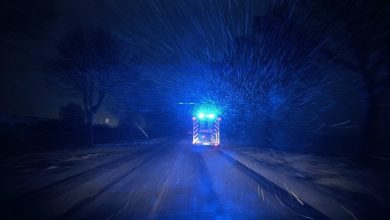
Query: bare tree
x=92 y=64
x=271 y=77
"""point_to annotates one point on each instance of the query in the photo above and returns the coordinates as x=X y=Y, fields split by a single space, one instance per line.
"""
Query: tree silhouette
x=272 y=74
x=92 y=64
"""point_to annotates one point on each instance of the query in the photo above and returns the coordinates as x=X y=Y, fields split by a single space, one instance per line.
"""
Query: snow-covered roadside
x=26 y=173
x=151 y=141
x=50 y=160
x=330 y=185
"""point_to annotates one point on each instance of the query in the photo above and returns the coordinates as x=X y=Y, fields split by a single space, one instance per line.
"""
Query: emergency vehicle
x=205 y=129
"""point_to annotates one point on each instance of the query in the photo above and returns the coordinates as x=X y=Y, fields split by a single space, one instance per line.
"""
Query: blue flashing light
x=211 y=116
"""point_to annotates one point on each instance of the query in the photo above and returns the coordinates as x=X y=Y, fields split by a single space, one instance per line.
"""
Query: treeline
x=70 y=133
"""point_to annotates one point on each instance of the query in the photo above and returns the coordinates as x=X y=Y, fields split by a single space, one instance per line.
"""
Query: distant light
x=211 y=116
x=193 y=118
x=201 y=115
x=185 y=103
x=107 y=121
x=219 y=118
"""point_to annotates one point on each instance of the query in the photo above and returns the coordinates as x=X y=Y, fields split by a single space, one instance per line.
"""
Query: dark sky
x=167 y=36
x=29 y=43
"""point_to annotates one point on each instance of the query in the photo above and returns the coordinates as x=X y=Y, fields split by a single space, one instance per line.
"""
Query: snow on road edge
x=303 y=192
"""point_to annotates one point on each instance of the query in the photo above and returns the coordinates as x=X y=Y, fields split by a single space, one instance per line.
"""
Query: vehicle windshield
x=194 y=109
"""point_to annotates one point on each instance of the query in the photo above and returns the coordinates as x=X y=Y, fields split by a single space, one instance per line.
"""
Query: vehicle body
x=206 y=130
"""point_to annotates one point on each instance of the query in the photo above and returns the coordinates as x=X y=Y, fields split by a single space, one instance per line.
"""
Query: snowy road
x=172 y=180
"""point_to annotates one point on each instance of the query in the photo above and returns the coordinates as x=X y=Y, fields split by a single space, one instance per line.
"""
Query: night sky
x=160 y=32
x=184 y=37
x=23 y=90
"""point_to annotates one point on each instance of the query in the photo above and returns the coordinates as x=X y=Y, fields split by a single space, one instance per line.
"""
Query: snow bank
x=326 y=184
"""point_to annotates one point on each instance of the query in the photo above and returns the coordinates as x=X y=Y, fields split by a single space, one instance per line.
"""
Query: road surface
x=171 y=180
